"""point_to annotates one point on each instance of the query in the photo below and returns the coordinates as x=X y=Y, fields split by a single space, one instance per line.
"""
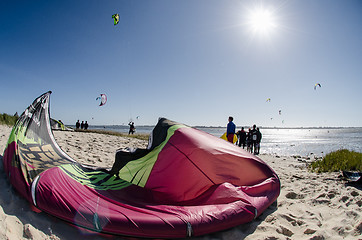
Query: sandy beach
x=310 y=205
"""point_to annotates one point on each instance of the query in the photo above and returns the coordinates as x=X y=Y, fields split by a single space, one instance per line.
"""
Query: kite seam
x=192 y=163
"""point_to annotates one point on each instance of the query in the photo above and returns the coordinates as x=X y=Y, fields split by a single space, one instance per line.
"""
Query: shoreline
x=293 y=142
x=310 y=206
x=198 y=126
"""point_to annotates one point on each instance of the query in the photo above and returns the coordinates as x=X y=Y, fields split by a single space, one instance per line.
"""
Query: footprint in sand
x=354 y=193
x=285 y=231
x=344 y=198
x=292 y=219
x=320 y=201
x=293 y=195
x=331 y=194
x=340 y=230
x=358 y=228
x=321 y=196
x=352 y=214
x=319 y=237
x=270 y=219
x=309 y=231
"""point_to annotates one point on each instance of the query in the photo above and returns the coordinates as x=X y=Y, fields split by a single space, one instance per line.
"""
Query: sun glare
x=261 y=21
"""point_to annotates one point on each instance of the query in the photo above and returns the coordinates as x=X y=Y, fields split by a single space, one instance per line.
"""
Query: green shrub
x=9 y=120
x=341 y=160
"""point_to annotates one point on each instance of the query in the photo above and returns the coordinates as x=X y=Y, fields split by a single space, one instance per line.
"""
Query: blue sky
x=192 y=61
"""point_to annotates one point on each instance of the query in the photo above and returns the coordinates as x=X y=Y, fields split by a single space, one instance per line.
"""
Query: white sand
x=310 y=205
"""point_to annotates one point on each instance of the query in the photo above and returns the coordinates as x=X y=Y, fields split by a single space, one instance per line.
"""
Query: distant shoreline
x=152 y=126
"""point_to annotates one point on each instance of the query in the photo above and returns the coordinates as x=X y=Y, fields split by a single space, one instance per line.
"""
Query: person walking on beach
x=82 y=125
x=77 y=124
x=86 y=125
x=131 y=128
x=230 y=130
x=258 y=140
x=242 y=137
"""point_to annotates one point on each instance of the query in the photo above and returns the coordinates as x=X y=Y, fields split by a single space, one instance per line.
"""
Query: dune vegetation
x=341 y=160
x=141 y=136
x=7 y=119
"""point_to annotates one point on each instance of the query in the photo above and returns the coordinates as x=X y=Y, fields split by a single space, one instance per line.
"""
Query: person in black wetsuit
x=258 y=140
x=131 y=128
x=249 y=146
x=254 y=138
x=241 y=137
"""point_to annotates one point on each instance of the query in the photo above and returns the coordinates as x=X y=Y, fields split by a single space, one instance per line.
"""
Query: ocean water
x=286 y=141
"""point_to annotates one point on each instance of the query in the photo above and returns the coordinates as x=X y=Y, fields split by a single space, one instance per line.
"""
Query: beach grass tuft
x=341 y=160
x=119 y=134
x=7 y=119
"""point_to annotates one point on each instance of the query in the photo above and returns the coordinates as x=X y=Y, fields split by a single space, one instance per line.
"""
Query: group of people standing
x=251 y=139
x=83 y=125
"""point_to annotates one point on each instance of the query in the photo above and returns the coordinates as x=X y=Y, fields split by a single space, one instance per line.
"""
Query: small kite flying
x=115 y=18
x=103 y=99
x=268 y=100
x=316 y=85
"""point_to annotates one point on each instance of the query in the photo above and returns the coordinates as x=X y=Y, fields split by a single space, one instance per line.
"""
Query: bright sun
x=261 y=21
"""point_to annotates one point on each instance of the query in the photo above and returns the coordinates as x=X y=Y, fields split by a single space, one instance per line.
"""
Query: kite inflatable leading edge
x=185 y=183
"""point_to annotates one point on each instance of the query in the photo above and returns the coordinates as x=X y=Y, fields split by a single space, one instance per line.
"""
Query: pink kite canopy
x=186 y=183
x=103 y=98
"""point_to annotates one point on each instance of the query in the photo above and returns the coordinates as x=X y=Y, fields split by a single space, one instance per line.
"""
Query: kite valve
x=189 y=230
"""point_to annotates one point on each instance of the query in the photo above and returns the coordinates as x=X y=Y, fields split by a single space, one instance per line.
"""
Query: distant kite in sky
x=280 y=112
x=103 y=99
x=268 y=100
x=316 y=85
x=115 y=18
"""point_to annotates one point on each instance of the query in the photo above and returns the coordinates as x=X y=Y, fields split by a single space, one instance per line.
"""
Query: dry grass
x=137 y=135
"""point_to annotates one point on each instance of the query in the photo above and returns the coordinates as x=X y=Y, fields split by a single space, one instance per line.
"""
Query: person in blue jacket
x=230 y=130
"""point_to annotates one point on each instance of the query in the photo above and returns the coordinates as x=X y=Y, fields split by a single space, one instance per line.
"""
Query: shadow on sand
x=242 y=231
